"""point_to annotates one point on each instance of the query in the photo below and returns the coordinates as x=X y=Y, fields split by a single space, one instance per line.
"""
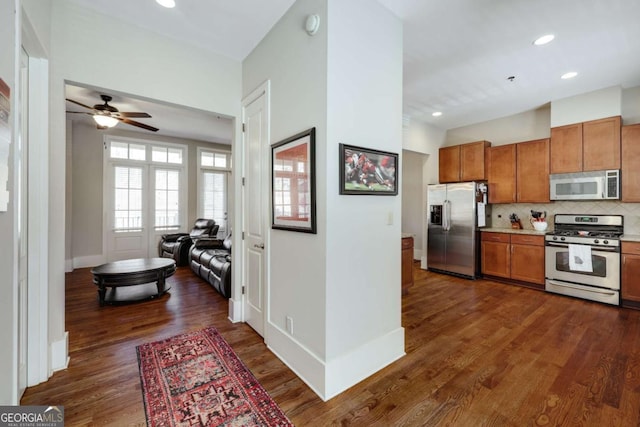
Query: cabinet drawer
x=631 y=248
x=407 y=243
x=527 y=239
x=495 y=237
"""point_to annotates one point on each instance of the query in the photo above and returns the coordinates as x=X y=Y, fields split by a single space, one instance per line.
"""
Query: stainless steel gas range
x=582 y=257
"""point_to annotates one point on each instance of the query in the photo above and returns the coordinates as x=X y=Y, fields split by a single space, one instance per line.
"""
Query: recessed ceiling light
x=543 y=39
x=167 y=3
x=436 y=113
x=569 y=75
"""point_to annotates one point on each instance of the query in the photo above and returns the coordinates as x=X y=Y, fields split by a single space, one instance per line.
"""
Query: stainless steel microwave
x=596 y=185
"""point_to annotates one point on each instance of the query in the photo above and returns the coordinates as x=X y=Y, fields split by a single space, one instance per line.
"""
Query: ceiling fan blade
x=79 y=103
x=79 y=112
x=134 y=114
x=138 y=124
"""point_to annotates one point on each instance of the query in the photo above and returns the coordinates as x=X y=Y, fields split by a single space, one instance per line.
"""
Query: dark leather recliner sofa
x=211 y=260
x=177 y=245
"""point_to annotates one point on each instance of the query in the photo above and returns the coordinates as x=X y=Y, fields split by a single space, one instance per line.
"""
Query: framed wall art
x=368 y=171
x=293 y=183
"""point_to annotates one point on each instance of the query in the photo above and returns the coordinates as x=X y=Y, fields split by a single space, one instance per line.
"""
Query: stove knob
x=596 y=241
x=562 y=238
x=555 y=238
x=606 y=242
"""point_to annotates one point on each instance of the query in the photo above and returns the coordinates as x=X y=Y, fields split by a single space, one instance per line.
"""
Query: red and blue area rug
x=196 y=379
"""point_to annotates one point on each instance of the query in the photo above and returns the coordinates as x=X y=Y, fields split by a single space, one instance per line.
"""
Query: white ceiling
x=458 y=54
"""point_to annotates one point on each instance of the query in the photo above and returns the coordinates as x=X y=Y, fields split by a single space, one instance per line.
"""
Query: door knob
x=260 y=246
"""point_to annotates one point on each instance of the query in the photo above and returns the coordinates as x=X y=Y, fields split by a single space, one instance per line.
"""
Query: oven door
x=605 y=262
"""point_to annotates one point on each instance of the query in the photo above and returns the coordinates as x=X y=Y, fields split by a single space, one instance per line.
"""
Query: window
x=166 y=155
x=213 y=186
x=167 y=203
x=128 y=198
x=124 y=150
x=158 y=183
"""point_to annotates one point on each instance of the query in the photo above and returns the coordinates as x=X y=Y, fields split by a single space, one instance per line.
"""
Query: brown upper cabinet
x=587 y=146
x=631 y=163
x=566 y=149
x=502 y=174
x=519 y=173
x=465 y=162
x=601 y=144
x=532 y=171
x=449 y=164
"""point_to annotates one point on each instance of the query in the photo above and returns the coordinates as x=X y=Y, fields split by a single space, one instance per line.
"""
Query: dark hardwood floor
x=479 y=353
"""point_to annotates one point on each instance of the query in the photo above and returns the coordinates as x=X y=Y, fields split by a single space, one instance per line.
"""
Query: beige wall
x=413 y=197
x=533 y=124
x=86 y=184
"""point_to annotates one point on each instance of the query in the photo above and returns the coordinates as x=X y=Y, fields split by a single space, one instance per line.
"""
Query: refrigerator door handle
x=446 y=216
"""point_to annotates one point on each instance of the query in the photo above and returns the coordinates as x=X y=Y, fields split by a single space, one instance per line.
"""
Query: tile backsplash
x=631 y=212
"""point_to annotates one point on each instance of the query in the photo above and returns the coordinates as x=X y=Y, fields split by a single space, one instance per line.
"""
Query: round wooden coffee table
x=146 y=274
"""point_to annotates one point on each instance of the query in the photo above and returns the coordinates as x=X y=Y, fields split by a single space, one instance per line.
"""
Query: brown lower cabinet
x=519 y=257
x=630 y=286
x=407 y=264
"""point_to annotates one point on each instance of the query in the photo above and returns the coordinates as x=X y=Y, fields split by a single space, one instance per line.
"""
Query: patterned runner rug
x=196 y=379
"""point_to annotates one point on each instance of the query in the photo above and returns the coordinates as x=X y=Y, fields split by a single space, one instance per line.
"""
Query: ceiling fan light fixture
x=542 y=40
x=169 y=4
x=105 y=121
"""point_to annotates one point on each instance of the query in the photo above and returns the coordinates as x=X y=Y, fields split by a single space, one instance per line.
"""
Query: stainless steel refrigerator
x=455 y=214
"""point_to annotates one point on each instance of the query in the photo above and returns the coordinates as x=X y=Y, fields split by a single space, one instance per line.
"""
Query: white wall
x=343 y=295
x=8 y=367
x=588 y=106
x=631 y=106
x=133 y=61
x=296 y=65
x=364 y=108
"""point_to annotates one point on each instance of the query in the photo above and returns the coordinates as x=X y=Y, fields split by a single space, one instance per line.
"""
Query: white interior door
x=255 y=217
x=127 y=224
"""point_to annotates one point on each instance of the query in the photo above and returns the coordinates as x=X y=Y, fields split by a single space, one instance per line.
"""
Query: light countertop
x=516 y=231
x=630 y=238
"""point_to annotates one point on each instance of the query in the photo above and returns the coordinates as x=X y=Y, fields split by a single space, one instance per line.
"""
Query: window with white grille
x=213 y=183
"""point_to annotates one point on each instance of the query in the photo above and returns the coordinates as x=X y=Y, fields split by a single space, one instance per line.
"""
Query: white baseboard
x=60 y=353
x=88 y=261
x=423 y=262
x=328 y=379
x=417 y=254
x=68 y=265
x=235 y=310
x=351 y=368
x=306 y=365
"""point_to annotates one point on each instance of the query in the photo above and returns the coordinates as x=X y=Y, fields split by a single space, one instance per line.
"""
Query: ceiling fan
x=107 y=116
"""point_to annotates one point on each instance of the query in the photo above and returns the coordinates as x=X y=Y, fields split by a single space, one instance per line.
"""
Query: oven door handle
x=581 y=288
x=596 y=248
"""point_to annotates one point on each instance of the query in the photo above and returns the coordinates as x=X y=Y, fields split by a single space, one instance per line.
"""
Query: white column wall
x=295 y=64
x=363 y=282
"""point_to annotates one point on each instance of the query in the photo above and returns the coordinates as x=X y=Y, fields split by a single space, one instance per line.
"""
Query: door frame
x=40 y=354
x=264 y=89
